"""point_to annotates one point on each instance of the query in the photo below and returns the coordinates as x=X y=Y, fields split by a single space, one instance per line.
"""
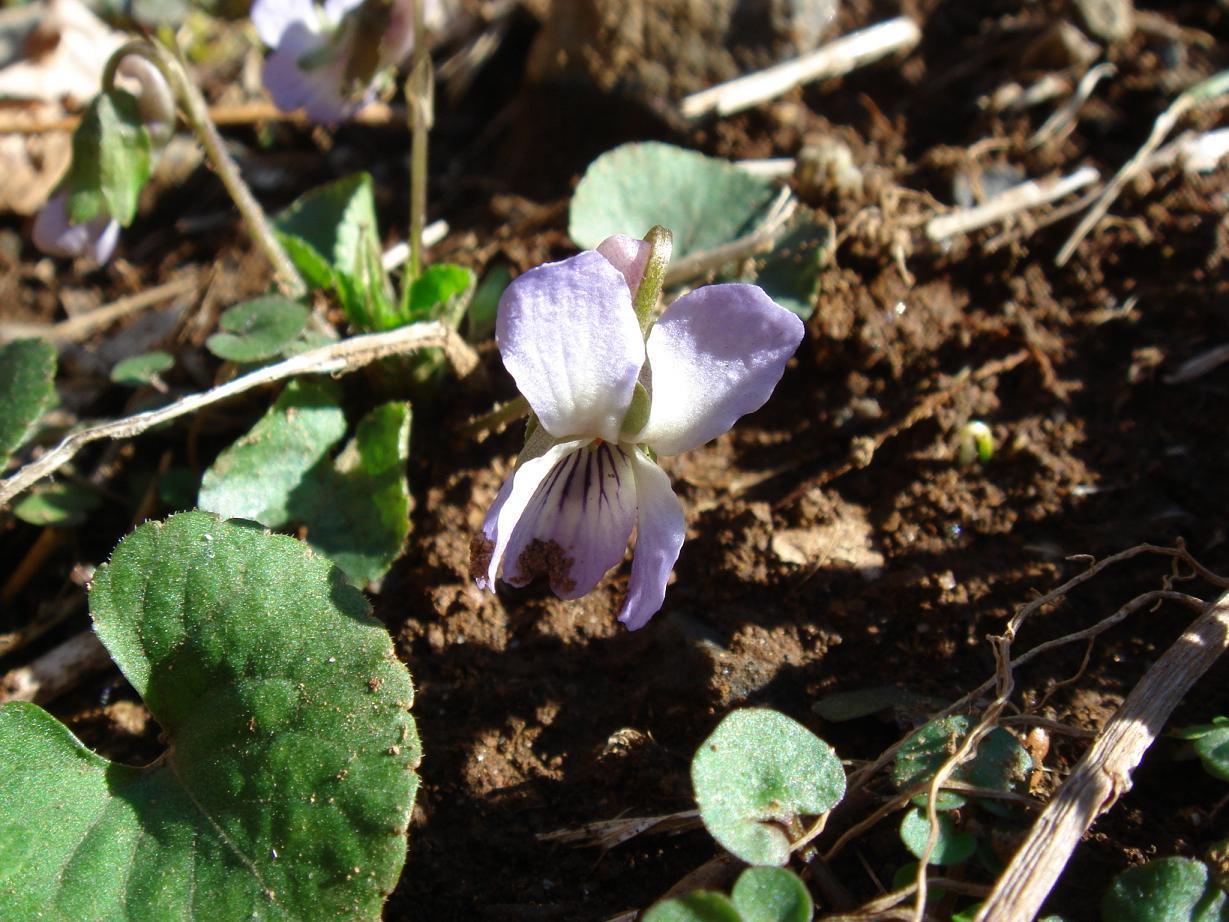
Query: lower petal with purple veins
x=577 y=525
x=660 y=530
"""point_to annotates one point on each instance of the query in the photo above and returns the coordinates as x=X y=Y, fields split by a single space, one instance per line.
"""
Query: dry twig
x=334 y=359
x=77 y=328
x=56 y=671
x=1018 y=198
x=833 y=60
x=1104 y=773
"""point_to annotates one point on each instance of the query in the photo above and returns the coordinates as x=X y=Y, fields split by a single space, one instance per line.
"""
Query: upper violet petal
x=510 y=506
x=570 y=339
x=577 y=526
x=715 y=355
x=629 y=255
x=660 y=530
x=273 y=17
x=53 y=234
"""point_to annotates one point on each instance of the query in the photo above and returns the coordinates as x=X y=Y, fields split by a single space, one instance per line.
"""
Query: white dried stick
x=1104 y=773
x=833 y=60
x=1018 y=198
x=56 y=671
x=333 y=359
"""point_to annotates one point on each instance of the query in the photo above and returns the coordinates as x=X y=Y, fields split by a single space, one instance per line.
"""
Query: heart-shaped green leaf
x=257 y=330
x=1173 y=889
x=1211 y=744
x=62 y=504
x=355 y=508
x=1000 y=763
x=705 y=202
x=111 y=160
x=772 y=895
x=139 y=370
x=758 y=771
x=790 y=273
x=952 y=846
x=286 y=788
x=697 y=906
x=27 y=383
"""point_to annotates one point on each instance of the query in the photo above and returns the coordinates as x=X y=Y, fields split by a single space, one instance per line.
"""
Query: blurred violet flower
x=569 y=335
x=54 y=235
x=327 y=60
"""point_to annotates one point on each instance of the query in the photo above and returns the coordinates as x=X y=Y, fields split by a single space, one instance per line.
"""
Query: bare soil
x=797 y=579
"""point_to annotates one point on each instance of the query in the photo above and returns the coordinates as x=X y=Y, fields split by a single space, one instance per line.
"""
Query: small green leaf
x=790 y=273
x=254 y=477
x=27 y=383
x=336 y=221
x=772 y=895
x=757 y=770
x=863 y=702
x=111 y=160
x=355 y=508
x=704 y=201
x=906 y=874
x=62 y=505
x=436 y=287
x=257 y=330
x=287 y=785
x=139 y=370
x=1213 y=750
x=698 y=906
x=1001 y=763
x=484 y=306
x=953 y=845
x=1173 y=889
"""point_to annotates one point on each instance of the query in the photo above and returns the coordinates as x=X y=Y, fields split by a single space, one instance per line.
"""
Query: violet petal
x=568 y=335
x=512 y=501
x=273 y=17
x=577 y=525
x=715 y=355
x=53 y=234
x=317 y=89
x=660 y=530
x=629 y=255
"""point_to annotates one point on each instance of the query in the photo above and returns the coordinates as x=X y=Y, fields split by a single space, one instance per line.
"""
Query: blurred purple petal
x=316 y=89
x=660 y=530
x=629 y=255
x=273 y=17
x=53 y=234
x=569 y=336
x=577 y=525
x=716 y=354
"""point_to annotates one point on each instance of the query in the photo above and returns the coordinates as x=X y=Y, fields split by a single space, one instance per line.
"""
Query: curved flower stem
x=419 y=97
x=196 y=113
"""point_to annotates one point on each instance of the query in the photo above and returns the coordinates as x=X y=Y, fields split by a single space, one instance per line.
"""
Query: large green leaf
x=286 y=788
x=337 y=221
x=952 y=845
x=254 y=478
x=1172 y=889
x=355 y=507
x=27 y=390
x=705 y=202
x=111 y=160
x=758 y=771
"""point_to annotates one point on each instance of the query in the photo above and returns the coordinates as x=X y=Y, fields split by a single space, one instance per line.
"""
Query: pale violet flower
x=327 y=60
x=54 y=235
x=569 y=335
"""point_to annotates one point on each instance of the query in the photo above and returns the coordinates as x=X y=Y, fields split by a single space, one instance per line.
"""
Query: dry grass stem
x=334 y=359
